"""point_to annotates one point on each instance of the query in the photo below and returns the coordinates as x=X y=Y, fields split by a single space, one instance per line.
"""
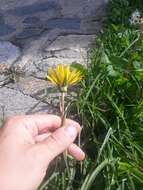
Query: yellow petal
x=62 y=74
x=51 y=80
x=67 y=71
x=75 y=77
x=51 y=76
x=59 y=71
x=66 y=75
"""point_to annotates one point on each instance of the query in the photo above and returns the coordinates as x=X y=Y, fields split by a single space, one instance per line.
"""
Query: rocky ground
x=36 y=34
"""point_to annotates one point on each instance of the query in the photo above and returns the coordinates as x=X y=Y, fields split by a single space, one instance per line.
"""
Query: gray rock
x=52 y=62
x=90 y=26
x=81 y=9
x=11 y=4
x=64 y=23
x=32 y=52
x=66 y=50
x=18 y=15
x=2 y=22
x=34 y=8
x=6 y=29
x=38 y=89
x=64 y=53
x=8 y=53
x=3 y=80
x=32 y=27
x=15 y=102
x=63 y=49
x=30 y=86
x=29 y=32
x=75 y=42
x=31 y=20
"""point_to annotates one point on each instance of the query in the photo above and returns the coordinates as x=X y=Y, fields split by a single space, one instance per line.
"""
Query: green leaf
x=138 y=66
x=105 y=58
x=91 y=176
x=111 y=71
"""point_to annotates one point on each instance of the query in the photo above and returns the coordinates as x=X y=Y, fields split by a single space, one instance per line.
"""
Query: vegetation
x=110 y=108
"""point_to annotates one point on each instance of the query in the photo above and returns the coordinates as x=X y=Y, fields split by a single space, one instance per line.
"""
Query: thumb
x=58 y=141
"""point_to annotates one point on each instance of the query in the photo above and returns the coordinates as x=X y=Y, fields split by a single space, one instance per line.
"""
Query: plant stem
x=79 y=144
x=63 y=119
x=62 y=109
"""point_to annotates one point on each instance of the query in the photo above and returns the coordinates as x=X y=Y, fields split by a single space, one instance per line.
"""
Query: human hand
x=28 y=144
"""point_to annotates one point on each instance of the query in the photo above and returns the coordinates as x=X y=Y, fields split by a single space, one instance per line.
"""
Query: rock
x=72 y=8
x=81 y=9
x=9 y=53
x=30 y=60
x=9 y=4
x=15 y=102
x=29 y=32
x=64 y=23
x=90 y=26
x=3 y=80
x=33 y=27
x=3 y=68
x=37 y=89
x=74 y=42
x=6 y=29
x=30 y=86
x=34 y=8
x=18 y=17
x=56 y=61
x=2 y=21
x=31 y=20
x=66 y=53
x=66 y=50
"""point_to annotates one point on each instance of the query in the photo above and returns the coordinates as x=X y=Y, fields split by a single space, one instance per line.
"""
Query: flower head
x=63 y=76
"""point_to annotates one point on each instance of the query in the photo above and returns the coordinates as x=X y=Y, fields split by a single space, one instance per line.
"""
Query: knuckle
x=12 y=118
x=55 y=139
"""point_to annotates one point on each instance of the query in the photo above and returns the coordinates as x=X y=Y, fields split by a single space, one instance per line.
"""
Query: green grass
x=110 y=109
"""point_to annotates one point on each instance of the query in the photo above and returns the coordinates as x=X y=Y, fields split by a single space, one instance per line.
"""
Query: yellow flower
x=63 y=76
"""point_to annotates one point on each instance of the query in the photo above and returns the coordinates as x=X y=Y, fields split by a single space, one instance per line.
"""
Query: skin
x=27 y=146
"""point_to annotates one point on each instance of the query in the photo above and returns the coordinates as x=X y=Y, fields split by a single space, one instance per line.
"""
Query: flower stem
x=79 y=144
x=63 y=119
x=62 y=109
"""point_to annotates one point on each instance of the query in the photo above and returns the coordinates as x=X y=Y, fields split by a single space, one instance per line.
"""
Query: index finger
x=39 y=124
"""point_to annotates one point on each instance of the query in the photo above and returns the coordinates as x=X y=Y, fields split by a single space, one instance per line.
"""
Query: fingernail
x=71 y=131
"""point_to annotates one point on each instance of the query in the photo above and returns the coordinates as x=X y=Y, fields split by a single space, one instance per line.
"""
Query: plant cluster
x=111 y=103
